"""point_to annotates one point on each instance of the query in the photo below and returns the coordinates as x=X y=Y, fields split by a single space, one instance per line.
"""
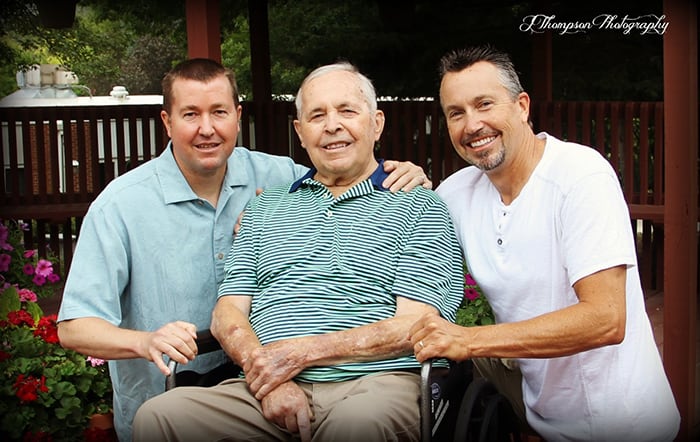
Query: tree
x=132 y=43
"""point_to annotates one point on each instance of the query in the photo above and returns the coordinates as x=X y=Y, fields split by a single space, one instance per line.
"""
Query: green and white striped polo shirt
x=317 y=264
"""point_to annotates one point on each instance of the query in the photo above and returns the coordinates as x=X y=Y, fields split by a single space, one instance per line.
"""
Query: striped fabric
x=316 y=264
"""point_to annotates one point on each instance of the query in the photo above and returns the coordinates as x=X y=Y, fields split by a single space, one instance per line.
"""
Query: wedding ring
x=421 y=344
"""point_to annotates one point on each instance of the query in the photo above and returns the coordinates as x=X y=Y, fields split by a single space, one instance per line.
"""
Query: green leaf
x=9 y=302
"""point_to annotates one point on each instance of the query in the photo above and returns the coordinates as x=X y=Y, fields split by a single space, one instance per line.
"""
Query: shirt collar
x=175 y=187
x=377 y=178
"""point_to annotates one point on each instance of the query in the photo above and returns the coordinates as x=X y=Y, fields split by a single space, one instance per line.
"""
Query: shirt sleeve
x=99 y=271
x=430 y=268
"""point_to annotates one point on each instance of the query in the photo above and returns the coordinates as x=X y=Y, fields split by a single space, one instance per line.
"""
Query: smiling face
x=338 y=129
x=486 y=124
x=203 y=126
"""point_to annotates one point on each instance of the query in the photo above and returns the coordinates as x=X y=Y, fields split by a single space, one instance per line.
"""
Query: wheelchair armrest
x=206 y=343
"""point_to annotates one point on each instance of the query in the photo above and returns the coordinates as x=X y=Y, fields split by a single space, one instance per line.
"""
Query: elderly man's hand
x=273 y=364
x=288 y=407
x=404 y=176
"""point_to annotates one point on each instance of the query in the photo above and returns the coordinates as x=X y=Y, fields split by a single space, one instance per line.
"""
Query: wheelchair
x=454 y=405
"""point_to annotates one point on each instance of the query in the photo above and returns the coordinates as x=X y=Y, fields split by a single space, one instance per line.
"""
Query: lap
x=230 y=408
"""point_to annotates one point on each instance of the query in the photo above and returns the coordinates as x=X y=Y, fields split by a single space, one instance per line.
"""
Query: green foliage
x=475 y=309
x=46 y=391
x=396 y=43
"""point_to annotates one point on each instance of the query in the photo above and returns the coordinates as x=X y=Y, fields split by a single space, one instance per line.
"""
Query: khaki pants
x=506 y=377
x=379 y=407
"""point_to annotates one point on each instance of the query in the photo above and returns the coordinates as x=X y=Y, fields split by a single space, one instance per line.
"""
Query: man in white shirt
x=546 y=233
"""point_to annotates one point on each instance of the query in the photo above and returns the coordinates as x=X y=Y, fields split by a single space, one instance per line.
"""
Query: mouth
x=336 y=146
x=480 y=142
x=207 y=146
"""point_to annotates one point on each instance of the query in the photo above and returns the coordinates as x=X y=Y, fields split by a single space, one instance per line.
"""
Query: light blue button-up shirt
x=151 y=252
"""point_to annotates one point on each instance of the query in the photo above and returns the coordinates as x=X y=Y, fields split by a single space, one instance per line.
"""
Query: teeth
x=481 y=142
x=336 y=146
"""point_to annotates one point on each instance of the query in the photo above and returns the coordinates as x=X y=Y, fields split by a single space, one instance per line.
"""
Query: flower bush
x=22 y=267
x=475 y=309
x=47 y=393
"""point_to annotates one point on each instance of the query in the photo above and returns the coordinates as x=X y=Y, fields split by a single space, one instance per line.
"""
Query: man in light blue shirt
x=152 y=246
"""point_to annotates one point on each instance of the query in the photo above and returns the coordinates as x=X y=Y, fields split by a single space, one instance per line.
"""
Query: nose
x=472 y=122
x=206 y=126
x=332 y=122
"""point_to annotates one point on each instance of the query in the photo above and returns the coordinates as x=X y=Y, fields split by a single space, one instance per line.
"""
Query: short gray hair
x=460 y=59
x=366 y=86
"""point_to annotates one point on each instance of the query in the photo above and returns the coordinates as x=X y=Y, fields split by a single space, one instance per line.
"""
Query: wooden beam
x=260 y=50
x=680 y=49
x=203 y=29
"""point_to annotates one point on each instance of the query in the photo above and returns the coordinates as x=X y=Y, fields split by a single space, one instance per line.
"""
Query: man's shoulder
x=133 y=183
x=464 y=180
x=572 y=161
x=243 y=154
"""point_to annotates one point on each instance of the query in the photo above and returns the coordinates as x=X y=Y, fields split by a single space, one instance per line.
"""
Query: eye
x=485 y=105
x=455 y=114
x=221 y=113
x=189 y=116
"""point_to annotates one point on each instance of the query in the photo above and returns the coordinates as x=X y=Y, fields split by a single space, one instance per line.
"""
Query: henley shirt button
x=219 y=256
x=329 y=213
x=500 y=241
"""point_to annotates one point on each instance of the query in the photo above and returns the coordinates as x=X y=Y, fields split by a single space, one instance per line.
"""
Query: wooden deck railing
x=56 y=160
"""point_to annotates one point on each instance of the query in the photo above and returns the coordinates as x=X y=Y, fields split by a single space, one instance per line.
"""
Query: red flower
x=20 y=317
x=39 y=436
x=4 y=356
x=26 y=387
x=46 y=329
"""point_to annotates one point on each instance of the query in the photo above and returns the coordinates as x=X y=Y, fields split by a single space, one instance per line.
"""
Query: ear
x=524 y=104
x=297 y=129
x=166 y=121
x=379 y=120
x=239 y=114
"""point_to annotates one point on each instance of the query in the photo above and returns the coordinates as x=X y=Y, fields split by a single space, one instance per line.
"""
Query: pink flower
x=468 y=280
x=5 y=262
x=95 y=361
x=39 y=280
x=4 y=234
x=28 y=269
x=27 y=295
x=44 y=268
x=28 y=253
x=471 y=294
x=53 y=278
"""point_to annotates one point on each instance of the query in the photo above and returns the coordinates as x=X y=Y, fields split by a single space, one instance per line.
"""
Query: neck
x=207 y=187
x=337 y=184
x=511 y=179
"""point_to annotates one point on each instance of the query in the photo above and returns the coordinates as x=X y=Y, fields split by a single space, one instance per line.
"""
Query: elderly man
x=322 y=285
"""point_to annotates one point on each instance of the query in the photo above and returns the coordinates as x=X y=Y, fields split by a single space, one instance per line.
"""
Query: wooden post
x=260 y=51
x=203 y=29
x=680 y=48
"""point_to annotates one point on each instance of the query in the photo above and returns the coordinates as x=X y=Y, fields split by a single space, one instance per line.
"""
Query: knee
x=153 y=418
